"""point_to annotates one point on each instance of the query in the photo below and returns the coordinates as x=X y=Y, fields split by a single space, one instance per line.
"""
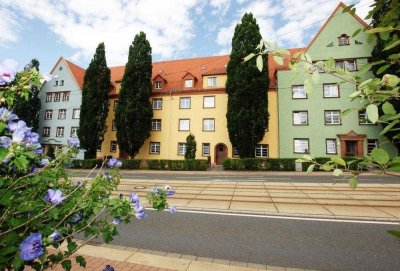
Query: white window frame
x=185 y=102
x=205 y=149
x=212 y=81
x=56 y=83
x=353 y=65
x=209 y=102
x=65 y=96
x=331 y=146
x=181 y=148
x=48 y=114
x=61 y=83
x=372 y=144
x=301 y=145
x=299 y=116
x=363 y=118
x=154 y=148
x=60 y=131
x=46 y=131
x=188 y=83
x=184 y=125
x=49 y=97
x=299 y=92
x=330 y=117
x=156 y=124
x=62 y=114
x=262 y=151
x=74 y=131
x=113 y=146
x=157 y=103
x=57 y=96
x=76 y=115
x=331 y=91
x=344 y=40
x=158 y=85
x=208 y=125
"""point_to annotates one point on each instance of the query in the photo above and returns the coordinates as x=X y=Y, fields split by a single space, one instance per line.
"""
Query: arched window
x=344 y=40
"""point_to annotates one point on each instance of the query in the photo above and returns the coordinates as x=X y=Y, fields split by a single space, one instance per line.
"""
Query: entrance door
x=351 y=148
x=221 y=152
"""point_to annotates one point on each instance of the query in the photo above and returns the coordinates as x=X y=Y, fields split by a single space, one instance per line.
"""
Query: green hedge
x=187 y=165
x=131 y=164
x=272 y=164
x=157 y=164
x=323 y=160
x=86 y=164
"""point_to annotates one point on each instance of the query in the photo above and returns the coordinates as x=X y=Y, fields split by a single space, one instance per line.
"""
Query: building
x=312 y=123
x=60 y=105
x=188 y=97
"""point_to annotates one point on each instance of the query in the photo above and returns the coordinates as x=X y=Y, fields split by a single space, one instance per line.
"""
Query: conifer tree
x=94 y=108
x=191 y=147
x=246 y=86
x=29 y=109
x=134 y=111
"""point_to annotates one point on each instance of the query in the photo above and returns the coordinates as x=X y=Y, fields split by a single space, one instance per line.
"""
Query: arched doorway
x=221 y=152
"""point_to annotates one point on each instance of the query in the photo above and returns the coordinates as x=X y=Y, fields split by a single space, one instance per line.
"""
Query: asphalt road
x=261 y=177
x=289 y=243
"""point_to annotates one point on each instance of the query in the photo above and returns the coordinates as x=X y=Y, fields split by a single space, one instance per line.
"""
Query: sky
x=48 y=29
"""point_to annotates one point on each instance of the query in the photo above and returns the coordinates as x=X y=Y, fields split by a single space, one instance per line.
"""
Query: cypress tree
x=191 y=147
x=94 y=108
x=246 y=86
x=29 y=110
x=134 y=111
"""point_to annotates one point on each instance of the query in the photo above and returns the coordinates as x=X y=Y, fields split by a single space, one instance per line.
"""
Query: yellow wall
x=169 y=136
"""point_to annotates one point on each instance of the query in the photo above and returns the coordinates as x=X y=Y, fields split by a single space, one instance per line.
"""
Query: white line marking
x=277 y=178
x=256 y=179
x=292 y=218
x=190 y=177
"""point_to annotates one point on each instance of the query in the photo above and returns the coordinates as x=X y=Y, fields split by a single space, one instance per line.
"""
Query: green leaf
x=310 y=168
x=308 y=86
x=326 y=167
x=394 y=168
x=278 y=60
x=2 y=126
x=356 y=32
x=338 y=160
x=384 y=35
x=72 y=246
x=379 y=29
x=394 y=233
x=81 y=261
x=66 y=264
x=372 y=112
x=3 y=154
x=250 y=56
x=388 y=127
x=8 y=250
x=364 y=68
x=390 y=80
x=380 y=156
x=337 y=172
x=21 y=162
x=260 y=63
x=353 y=183
x=392 y=45
x=382 y=69
x=346 y=112
x=18 y=263
x=388 y=109
x=316 y=76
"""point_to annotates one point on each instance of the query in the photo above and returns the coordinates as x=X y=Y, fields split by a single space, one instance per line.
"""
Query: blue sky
x=48 y=29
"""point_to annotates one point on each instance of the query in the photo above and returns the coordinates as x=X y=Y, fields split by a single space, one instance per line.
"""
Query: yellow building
x=189 y=97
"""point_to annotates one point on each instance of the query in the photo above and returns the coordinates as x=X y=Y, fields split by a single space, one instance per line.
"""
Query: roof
x=77 y=72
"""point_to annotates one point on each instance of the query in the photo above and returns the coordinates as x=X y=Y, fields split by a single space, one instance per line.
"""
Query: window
x=209 y=101
x=205 y=149
x=61 y=82
x=344 y=40
x=113 y=127
x=60 y=132
x=113 y=146
x=331 y=147
x=154 y=148
x=184 y=102
x=184 y=124
x=62 y=114
x=331 y=91
x=57 y=97
x=48 y=114
x=235 y=152
x=332 y=117
x=262 y=150
x=49 y=97
x=188 y=83
x=349 y=64
x=115 y=104
x=212 y=81
x=74 y=131
x=209 y=125
x=371 y=144
x=157 y=103
x=46 y=131
x=55 y=83
x=298 y=92
x=76 y=113
x=157 y=84
x=363 y=118
x=156 y=125
x=301 y=145
x=300 y=117
x=181 y=148
x=65 y=96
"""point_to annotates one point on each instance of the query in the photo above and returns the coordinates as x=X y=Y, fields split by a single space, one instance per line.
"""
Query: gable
x=325 y=44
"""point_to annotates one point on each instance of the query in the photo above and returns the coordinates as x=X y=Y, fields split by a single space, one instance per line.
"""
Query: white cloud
x=8 y=25
x=8 y=65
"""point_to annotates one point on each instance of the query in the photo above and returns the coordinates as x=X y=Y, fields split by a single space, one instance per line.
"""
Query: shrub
x=157 y=164
x=131 y=164
x=273 y=164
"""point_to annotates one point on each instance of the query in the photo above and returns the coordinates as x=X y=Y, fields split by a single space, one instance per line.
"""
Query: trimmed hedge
x=187 y=165
x=157 y=164
x=323 y=160
x=272 y=164
x=131 y=164
x=86 y=164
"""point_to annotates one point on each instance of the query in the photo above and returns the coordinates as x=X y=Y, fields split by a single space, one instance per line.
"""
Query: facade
x=312 y=123
x=188 y=97
x=60 y=105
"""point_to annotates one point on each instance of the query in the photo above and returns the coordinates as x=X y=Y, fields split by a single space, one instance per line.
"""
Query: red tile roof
x=77 y=72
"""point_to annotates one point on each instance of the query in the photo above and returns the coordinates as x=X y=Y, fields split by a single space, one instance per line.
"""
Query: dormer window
x=188 y=83
x=344 y=40
x=157 y=84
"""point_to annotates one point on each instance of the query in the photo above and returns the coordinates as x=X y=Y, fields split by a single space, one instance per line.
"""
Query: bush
x=157 y=164
x=189 y=165
x=272 y=164
x=86 y=164
x=131 y=164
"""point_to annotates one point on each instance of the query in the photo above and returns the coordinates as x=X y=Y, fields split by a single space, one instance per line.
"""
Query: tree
x=191 y=145
x=246 y=86
x=134 y=112
x=29 y=109
x=386 y=13
x=94 y=108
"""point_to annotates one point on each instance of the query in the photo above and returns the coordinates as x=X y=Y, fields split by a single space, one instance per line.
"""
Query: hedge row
x=322 y=160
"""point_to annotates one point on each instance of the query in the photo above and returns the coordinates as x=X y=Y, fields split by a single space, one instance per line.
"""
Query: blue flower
x=108 y=268
x=6 y=115
x=54 y=196
x=31 y=137
x=5 y=142
x=172 y=209
x=114 y=162
x=139 y=212
x=141 y=216
x=73 y=142
x=31 y=248
x=12 y=126
x=76 y=218
x=44 y=162
x=55 y=236
x=170 y=190
x=34 y=169
x=134 y=197
x=116 y=221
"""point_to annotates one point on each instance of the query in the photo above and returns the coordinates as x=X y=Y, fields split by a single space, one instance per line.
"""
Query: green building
x=312 y=124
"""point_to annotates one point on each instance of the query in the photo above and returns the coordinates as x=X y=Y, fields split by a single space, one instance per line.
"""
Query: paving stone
x=188 y=257
x=235 y=263
x=275 y=268
x=220 y=261
x=174 y=255
x=159 y=261
x=257 y=266
x=205 y=259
